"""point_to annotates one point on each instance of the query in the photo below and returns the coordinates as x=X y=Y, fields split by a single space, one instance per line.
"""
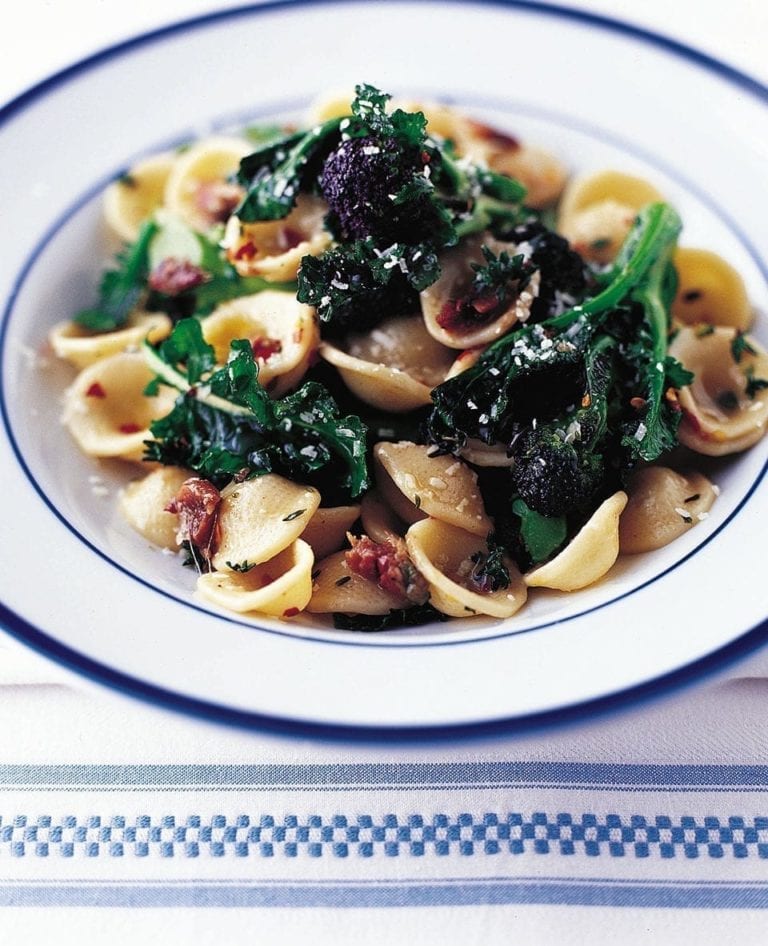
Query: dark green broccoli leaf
x=353 y=286
x=398 y=617
x=121 y=288
x=275 y=174
x=224 y=424
x=541 y=535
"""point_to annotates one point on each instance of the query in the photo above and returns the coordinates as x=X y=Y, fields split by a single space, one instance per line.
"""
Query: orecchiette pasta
x=446 y=557
x=597 y=211
x=432 y=430
x=588 y=556
x=662 y=506
x=81 y=347
x=394 y=367
x=338 y=589
x=281 y=587
x=259 y=518
x=198 y=189
x=438 y=486
x=135 y=196
x=273 y=249
x=283 y=334
x=327 y=530
x=725 y=409
x=443 y=308
x=107 y=411
x=710 y=290
x=379 y=519
x=143 y=504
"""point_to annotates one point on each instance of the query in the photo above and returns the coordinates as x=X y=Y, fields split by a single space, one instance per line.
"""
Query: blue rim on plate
x=41 y=642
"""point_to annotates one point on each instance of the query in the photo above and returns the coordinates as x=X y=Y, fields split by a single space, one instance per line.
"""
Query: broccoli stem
x=641 y=264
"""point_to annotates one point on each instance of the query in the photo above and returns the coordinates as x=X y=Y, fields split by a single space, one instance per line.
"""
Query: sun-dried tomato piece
x=217 y=199
x=173 y=276
x=197 y=506
x=264 y=348
x=389 y=565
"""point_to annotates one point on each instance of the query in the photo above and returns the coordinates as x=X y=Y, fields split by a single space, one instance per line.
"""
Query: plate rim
x=80 y=663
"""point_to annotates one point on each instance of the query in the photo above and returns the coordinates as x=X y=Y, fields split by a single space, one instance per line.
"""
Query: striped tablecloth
x=638 y=820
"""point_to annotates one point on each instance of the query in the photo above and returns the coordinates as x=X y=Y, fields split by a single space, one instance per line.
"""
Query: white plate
x=79 y=586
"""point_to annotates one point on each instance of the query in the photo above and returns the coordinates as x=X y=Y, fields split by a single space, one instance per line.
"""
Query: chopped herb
x=242 y=567
x=705 y=330
x=343 y=580
x=754 y=384
x=740 y=345
x=692 y=499
x=294 y=515
x=490 y=573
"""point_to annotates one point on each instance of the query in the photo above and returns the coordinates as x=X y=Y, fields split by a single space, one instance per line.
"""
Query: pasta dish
x=398 y=366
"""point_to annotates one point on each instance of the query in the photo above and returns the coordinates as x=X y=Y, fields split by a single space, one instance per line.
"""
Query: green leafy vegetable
x=224 y=424
x=121 y=288
x=541 y=535
x=397 y=617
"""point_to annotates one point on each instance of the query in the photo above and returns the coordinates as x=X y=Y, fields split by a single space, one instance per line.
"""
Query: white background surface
x=46 y=35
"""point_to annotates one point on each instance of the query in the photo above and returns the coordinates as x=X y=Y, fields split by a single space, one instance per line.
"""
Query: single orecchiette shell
x=280 y=587
x=107 y=411
x=259 y=518
x=143 y=503
x=380 y=521
x=719 y=415
x=709 y=290
x=438 y=486
x=662 y=506
x=337 y=588
x=81 y=347
x=589 y=554
x=443 y=555
x=274 y=249
x=326 y=531
x=597 y=231
x=135 y=196
x=393 y=367
x=198 y=188
x=542 y=175
x=587 y=190
x=455 y=281
x=283 y=333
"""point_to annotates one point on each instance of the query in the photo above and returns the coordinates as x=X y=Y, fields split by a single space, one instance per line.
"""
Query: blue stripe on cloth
x=486 y=834
x=455 y=892
x=396 y=775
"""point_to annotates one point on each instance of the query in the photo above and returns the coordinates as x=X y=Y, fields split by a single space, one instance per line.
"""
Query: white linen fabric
x=654 y=811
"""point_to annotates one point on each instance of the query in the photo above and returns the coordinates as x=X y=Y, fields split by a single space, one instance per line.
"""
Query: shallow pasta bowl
x=81 y=588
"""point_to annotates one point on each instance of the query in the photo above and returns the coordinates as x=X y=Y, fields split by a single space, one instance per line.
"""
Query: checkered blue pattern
x=440 y=835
